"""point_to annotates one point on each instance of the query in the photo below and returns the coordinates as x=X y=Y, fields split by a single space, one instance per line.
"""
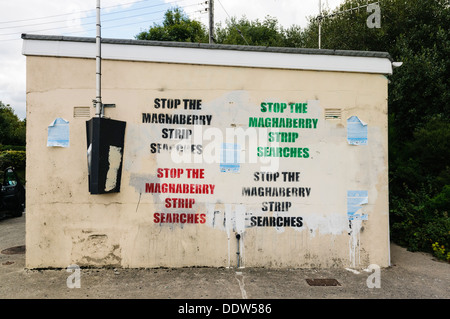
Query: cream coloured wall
x=66 y=224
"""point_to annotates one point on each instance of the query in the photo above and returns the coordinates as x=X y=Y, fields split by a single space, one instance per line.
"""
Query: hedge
x=12 y=158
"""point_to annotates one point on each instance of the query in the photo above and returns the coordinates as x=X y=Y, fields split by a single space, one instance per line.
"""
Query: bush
x=15 y=159
x=12 y=147
x=420 y=220
x=439 y=252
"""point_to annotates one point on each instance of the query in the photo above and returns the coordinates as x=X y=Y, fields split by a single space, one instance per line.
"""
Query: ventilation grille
x=81 y=111
x=333 y=114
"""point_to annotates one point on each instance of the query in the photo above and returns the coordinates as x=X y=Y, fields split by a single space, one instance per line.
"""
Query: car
x=12 y=195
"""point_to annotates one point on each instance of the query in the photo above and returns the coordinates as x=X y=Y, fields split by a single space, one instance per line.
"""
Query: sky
x=119 y=19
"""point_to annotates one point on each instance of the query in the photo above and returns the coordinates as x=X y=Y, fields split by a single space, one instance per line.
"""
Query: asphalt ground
x=412 y=276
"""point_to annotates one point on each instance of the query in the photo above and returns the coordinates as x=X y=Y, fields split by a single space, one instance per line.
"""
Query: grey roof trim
x=375 y=54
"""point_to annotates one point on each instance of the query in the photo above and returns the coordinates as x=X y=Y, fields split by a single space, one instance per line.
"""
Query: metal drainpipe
x=238 y=236
x=98 y=99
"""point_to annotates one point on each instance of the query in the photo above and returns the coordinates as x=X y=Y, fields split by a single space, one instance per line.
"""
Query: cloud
x=27 y=16
x=77 y=18
x=287 y=12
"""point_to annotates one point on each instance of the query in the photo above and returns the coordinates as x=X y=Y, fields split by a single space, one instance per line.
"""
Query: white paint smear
x=353 y=271
x=334 y=224
x=240 y=218
x=115 y=159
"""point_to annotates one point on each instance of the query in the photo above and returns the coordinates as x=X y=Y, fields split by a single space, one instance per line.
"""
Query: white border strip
x=203 y=56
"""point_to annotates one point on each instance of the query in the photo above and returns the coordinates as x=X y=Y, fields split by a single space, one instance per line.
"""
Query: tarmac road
x=411 y=276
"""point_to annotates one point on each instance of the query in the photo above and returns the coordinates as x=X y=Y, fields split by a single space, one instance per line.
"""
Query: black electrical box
x=105 y=144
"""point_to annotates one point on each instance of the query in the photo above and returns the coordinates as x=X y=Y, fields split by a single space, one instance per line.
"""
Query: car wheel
x=17 y=212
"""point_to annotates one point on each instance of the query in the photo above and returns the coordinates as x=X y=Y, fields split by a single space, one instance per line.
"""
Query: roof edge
x=356 y=53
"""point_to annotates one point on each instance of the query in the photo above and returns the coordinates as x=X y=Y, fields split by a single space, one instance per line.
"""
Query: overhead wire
x=88 y=23
x=117 y=26
x=104 y=21
x=92 y=10
x=71 y=14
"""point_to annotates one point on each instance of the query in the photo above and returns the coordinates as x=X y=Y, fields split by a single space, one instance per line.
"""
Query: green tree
x=266 y=33
x=417 y=34
x=293 y=37
x=176 y=27
x=245 y=32
x=414 y=32
x=12 y=140
x=12 y=129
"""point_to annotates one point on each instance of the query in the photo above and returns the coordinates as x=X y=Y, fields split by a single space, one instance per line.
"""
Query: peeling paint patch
x=96 y=249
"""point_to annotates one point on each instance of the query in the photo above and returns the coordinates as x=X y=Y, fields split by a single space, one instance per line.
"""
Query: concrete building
x=233 y=156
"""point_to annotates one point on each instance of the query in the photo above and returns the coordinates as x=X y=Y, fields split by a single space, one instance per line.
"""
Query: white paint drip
x=353 y=242
x=115 y=159
x=228 y=228
x=241 y=284
x=235 y=223
x=240 y=229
